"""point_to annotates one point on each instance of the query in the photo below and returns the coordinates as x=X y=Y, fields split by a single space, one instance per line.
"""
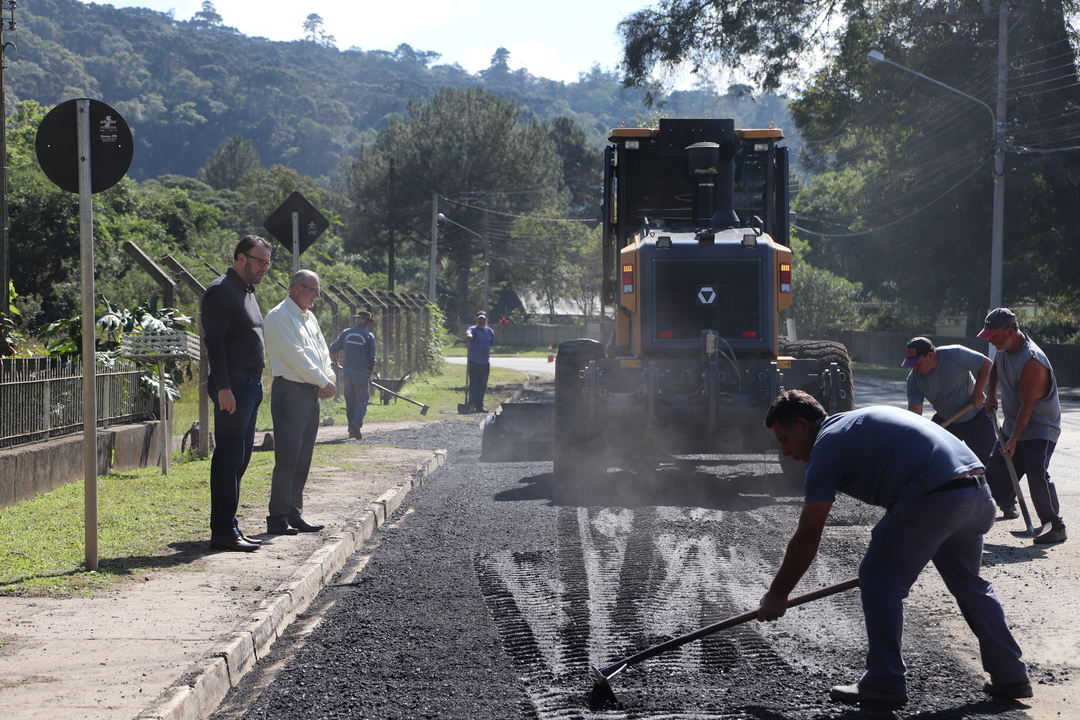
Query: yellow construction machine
x=698 y=271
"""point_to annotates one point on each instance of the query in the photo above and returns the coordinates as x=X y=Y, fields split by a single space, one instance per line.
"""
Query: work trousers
x=977 y=433
x=478 y=379
x=1032 y=458
x=234 y=436
x=295 y=409
x=945 y=528
x=357 y=391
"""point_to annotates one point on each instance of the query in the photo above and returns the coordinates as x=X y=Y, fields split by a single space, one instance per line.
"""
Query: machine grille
x=695 y=295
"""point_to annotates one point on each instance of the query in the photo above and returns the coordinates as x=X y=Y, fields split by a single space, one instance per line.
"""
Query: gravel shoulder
x=115 y=655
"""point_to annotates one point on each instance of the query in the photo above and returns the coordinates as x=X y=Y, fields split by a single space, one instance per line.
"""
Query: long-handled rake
x=1031 y=531
x=423 y=408
x=603 y=696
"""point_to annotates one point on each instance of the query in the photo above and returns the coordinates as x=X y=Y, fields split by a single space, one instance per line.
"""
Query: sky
x=556 y=39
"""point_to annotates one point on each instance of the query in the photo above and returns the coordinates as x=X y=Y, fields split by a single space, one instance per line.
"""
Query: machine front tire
x=576 y=456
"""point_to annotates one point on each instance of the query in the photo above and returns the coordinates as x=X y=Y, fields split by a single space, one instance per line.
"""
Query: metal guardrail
x=41 y=398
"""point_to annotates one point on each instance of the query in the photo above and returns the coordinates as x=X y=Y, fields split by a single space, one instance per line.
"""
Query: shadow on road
x=716 y=484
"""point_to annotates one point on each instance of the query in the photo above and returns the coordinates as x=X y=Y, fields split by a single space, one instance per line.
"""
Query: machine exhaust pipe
x=712 y=167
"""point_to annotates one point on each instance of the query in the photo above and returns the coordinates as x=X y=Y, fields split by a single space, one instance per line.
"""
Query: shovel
x=604 y=696
x=465 y=408
x=423 y=407
x=1030 y=532
x=953 y=419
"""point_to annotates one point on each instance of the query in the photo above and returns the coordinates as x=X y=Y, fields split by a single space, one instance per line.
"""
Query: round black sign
x=58 y=146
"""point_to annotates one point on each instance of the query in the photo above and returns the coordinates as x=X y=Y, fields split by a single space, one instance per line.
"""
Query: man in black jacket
x=232 y=325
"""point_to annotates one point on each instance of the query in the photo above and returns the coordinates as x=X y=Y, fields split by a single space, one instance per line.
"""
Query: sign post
x=84 y=146
x=296 y=224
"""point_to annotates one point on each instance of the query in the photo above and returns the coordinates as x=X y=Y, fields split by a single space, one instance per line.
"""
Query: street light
x=444 y=219
x=998 y=131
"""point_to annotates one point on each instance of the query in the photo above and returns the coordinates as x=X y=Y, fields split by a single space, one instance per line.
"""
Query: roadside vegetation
x=151 y=521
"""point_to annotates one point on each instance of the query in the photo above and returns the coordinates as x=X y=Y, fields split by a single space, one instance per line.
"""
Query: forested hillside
x=187 y=85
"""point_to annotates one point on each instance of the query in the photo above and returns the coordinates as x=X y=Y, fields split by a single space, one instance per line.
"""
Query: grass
x=150 y=521
x=885 y=372
x=459 y=349
x=441 y=393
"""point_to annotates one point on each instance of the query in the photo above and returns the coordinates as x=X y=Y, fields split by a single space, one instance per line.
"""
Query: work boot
x=1049 y=538
x=853 y=694
x=1011 y=691
x=1009 y=512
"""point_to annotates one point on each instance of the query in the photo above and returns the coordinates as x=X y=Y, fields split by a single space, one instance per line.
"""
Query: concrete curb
x=200 y=691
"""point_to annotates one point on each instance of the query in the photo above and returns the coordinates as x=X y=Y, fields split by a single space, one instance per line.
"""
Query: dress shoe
x=865 y=696
x=1011 y=691
x=253 y=541
x=302 y=526
x=1009 y=512
x=281 y=529
x=1049 y=538
x=233 y=544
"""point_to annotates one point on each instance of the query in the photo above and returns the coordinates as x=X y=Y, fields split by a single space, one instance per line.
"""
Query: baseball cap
x=997 y=319
x=916 y=348
x=481 y=313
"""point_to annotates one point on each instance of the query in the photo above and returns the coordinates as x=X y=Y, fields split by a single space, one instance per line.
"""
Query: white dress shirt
x=295 y=345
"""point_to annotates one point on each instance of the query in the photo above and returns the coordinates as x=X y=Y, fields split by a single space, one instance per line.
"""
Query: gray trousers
x=295 y=410
x=945 y=528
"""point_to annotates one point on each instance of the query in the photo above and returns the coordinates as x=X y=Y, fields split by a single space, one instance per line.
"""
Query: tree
x=493 y=167
x=582 y=165
x=313 y=31
x=557 y=260
x=229 y=162
x=767 y=38
x=900 y=198
x=208 y=15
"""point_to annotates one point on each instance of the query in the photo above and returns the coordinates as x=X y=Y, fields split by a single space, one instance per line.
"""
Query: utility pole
x=997 y=241
x=7 y=22
x=434 y=246
x=487 y=261
x=390 y=254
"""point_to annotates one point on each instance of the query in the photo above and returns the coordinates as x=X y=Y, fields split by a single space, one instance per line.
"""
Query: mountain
x=186 y=86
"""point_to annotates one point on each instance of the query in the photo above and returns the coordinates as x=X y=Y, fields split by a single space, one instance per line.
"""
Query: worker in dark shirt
x=232 y=328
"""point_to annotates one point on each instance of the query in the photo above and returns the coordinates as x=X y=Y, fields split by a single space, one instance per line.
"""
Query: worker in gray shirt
x=952 y=378
x=1032 y=426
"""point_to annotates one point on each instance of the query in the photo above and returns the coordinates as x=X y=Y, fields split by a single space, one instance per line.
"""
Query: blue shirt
x=359 y=346
x=480 y=347
x=883 y=454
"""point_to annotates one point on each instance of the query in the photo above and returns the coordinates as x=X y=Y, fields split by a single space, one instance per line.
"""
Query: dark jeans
x=357 y=390
x=295 y=409
x=1032 y=458
x=478 y=378
x=234 y=436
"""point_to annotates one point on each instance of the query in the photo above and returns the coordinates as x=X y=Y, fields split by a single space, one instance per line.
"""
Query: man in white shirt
x=300 y=363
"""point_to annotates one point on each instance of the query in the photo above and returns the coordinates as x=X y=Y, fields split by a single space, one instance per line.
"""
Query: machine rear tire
x=826 y=353
x=576 y=456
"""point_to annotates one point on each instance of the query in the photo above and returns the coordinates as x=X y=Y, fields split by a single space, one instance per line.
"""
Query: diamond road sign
x=280 y=223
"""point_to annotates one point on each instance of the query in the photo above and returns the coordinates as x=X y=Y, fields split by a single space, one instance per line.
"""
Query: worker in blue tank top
x=937 y=508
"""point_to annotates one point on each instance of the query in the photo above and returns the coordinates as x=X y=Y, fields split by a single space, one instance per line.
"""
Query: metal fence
x=41 y=398
x=403 y=327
